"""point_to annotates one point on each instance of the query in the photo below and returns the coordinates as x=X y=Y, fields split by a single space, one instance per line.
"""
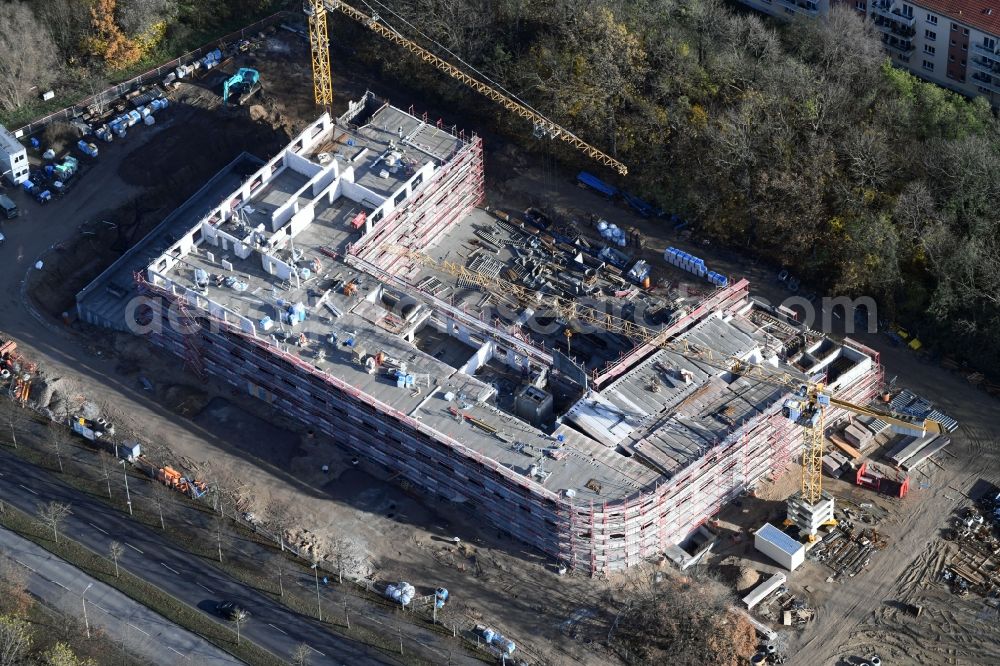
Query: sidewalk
x=59 y=584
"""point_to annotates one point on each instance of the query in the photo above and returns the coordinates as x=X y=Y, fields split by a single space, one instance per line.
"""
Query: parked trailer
x=88 y=149
x=585 y=179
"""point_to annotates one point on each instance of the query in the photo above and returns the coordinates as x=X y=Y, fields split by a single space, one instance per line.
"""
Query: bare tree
x=14 y=595
x=301 y=656
x=52 y=515
x=67 y=20
x=16 y=416
x=27 y=54
x=15 y=639
x=239 y=619
x=219 y=525
x=161 y=496
x=54 y=439
x=670 y=618
x=350 y=555
x=280 y=516
x=138 y=16
x=107 y=468
x=116 y=550
x=280 y=567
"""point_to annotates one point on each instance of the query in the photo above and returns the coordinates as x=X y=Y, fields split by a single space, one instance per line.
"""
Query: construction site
x=439 y=348
x=326 y=285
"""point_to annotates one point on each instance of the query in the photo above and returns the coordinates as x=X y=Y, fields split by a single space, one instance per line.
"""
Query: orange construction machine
x=171 y=478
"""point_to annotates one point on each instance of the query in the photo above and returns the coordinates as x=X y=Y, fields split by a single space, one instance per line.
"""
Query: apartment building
x=952 y=43
x=788 y=9
x=949 y=42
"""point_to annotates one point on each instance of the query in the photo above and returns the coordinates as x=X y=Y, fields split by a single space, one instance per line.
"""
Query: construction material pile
x=974 y=566
x=849 y=547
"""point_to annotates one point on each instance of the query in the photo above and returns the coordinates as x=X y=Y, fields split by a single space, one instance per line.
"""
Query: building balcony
x=981 y=50
x=984 y=65
x=984 y=80
x=884 y=9
x=806 y=7
x=903 y=47
x=893 y=27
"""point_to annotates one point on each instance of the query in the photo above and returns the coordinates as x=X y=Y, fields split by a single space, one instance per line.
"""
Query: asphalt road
x=126 y=622
x=196 y=583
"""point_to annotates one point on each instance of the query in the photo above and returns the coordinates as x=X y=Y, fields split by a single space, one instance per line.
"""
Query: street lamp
x=83 y=598
x=319 y=607
x=128 y=498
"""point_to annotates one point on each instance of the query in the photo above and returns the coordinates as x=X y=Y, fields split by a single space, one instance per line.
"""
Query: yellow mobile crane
x=319 y=42
x=810 y=508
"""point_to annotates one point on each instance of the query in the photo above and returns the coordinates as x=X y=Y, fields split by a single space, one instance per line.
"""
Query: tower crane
x=809 y=509
x=317 y=10
x=319 y=48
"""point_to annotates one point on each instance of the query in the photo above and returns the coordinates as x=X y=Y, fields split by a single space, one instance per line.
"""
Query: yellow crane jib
x=319 y=47
x=542 y=125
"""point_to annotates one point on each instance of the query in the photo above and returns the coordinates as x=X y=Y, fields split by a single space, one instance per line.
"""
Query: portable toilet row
x=693 y=264
x=685 y=261
x=718 y=279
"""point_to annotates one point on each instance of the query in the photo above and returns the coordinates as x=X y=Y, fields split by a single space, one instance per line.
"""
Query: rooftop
x=271 y=258
x=983 y=15
x=276 y=246
x=670 y=409
x=8 y=142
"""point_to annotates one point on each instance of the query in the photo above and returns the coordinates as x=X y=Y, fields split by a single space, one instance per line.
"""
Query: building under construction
x=353 y=282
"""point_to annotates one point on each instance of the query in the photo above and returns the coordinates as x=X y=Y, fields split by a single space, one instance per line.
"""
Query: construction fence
x=109 y=95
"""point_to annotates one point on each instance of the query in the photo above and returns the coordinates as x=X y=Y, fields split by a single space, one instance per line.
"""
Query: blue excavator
x=243 y=84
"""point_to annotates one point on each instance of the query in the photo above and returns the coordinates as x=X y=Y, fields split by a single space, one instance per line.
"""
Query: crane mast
x=319 y=48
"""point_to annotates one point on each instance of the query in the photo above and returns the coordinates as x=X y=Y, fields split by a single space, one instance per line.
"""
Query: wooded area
x=77 y=47
x=799 y=144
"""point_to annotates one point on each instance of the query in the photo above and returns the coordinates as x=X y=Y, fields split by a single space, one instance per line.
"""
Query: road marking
x=134 y=548
x=169 y=569
x=59 y=584
x=27 y=488
x=100 y=607
x=177 y=651
x=278 y=628
x=138 y=629
x=208 y=589
x=315 y=650
x=25 y=566
x=96 y=527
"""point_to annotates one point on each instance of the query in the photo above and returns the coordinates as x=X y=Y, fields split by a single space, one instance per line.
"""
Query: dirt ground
x=207 y=430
